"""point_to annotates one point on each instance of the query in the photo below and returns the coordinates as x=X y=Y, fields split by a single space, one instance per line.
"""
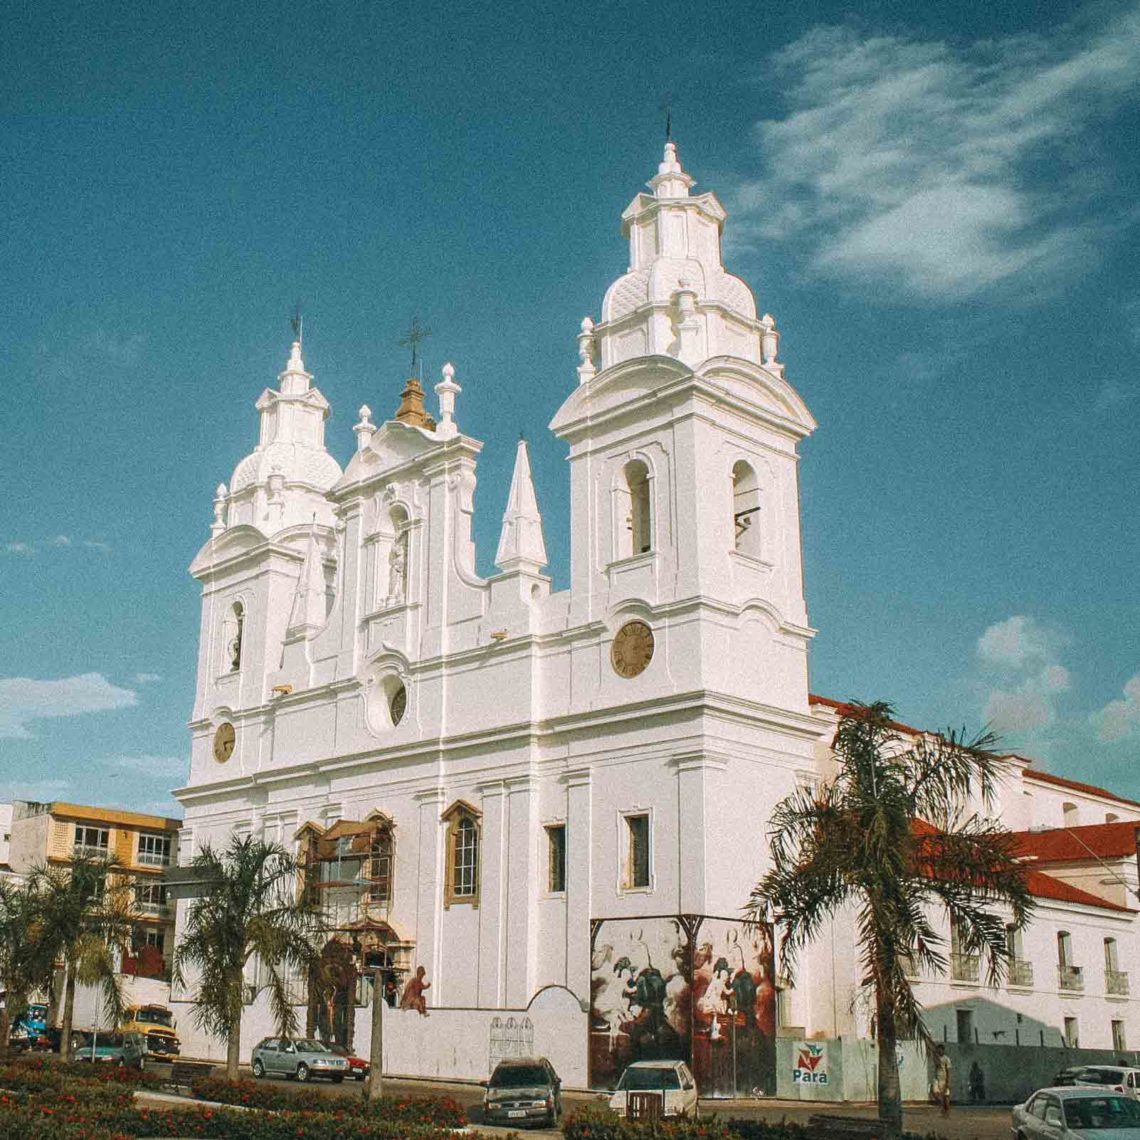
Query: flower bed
x=437 y=1111
x=49 y=1070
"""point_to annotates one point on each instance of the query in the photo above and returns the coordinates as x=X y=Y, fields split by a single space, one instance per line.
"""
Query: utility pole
x=376 y=1050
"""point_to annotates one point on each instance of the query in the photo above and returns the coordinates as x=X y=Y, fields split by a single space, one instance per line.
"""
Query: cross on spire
x=297 y=323
x=416 y=334
x=667 y=108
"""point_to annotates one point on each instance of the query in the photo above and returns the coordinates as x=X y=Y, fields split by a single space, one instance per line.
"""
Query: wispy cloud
x=57 y=542
x=24 y=700
x=1020 y=657
x=918 y=163
x=1120 y=719
x=146 y=678
x=157 y=767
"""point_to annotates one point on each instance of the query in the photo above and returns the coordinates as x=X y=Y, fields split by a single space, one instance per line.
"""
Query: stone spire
x=310 y=600
x=521 y=544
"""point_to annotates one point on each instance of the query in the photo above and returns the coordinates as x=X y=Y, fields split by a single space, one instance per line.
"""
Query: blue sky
x=939 y=209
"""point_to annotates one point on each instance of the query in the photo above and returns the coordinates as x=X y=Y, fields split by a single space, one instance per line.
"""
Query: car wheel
x=258 y=1067
x=302 y=1072
x=337 y=1078
x=76 y=1042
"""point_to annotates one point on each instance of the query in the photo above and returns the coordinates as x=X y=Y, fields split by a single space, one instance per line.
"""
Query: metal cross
x=416 y=334
x=666 y=106
x=297 y=321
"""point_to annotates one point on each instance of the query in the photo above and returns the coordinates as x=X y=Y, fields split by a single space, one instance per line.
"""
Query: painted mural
x=688 y=988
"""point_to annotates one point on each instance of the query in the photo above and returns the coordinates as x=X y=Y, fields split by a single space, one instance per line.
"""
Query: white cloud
x=1029 y=678
x=1013 y=643
x=59 y=540
x=1120 y=719
x=19 y=548
x=909 y=161
x=146 y=678
x=101 y=547
x=165 y=767
x=24 y=700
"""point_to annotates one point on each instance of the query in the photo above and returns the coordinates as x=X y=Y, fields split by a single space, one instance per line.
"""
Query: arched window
x=233 y=629
x=463 y=841
x=636 y=528
x=745 y=510
x=381 y=859
x=1070 y=814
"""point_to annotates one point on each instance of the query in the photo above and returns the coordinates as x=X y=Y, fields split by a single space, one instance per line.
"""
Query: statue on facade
x=397 y=570
x=414 y=992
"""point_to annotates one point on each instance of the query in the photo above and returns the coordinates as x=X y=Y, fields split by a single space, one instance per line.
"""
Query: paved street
x=988 y=1123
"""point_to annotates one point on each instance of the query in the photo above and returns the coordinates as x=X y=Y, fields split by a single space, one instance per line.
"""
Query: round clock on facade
x=632 y=649
x=398 y=705
x=224 y=742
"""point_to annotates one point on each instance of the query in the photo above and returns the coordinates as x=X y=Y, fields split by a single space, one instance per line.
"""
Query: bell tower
x=683 y=434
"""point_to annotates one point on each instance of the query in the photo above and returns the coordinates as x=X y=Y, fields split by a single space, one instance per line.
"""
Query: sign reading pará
x=810 y=1066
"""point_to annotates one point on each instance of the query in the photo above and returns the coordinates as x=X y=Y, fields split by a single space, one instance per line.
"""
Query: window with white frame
x=154 y=850
x=150 y=897
x=637 y=862
x=463 y=836
x=92 y=840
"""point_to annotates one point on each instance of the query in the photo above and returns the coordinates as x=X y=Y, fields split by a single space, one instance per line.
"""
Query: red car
x=357 y=1066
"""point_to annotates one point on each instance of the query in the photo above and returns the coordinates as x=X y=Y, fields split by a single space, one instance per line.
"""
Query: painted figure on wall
x=414 y=992
x=687 y=988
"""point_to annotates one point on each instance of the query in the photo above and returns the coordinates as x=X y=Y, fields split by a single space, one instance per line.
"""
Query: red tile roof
x=842 y=707
x=1076 y=786
x=1075 y=844
x=1044 y=886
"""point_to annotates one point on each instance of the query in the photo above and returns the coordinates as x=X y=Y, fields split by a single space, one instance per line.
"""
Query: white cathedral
x=555 y=802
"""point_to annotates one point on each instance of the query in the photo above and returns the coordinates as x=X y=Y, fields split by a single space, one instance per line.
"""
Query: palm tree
x=20 y=968
x=84 y=914
x=889 y=835
x=250 y=906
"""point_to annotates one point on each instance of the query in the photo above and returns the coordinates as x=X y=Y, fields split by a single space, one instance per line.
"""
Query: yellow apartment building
x=143 y=847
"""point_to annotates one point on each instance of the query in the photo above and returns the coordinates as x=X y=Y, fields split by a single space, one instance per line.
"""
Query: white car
x=1082 y=1112
x=669 y=1080
x=1118 y=1078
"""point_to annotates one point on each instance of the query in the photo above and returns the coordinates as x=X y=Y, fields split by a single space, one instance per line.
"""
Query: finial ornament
x=297 y=323
x=416 y=334
x=447 y=390
x=219 y=523
x=667 y=108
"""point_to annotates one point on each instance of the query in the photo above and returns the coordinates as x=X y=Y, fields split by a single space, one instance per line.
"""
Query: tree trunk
x=890 y=1094
x=68 y=1014
x=376 y=1048
x=6 y=1026
x=233 y=1048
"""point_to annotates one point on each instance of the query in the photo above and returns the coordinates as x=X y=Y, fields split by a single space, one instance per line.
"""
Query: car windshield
x=518 y=1076
x=156 y=1017
x=305 y=1045
x=648 y=1078
x=1102 y=1112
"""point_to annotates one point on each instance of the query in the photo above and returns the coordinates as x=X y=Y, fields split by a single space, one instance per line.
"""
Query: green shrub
x=604 y=1124
x=440 y=1111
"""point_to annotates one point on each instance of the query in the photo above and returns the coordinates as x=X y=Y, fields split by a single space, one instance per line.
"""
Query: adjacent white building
x=520 y=789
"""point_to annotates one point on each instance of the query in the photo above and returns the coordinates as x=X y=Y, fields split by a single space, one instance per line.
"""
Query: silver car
x=1081 y=1112
x=302 y=1058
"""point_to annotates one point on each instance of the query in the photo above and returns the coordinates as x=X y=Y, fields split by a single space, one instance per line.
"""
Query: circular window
x=398 y=704
x=224 y=738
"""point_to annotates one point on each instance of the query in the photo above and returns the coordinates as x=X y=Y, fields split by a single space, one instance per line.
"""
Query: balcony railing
x=1020 y=972
x=964 y=967
x=153 y=859
x=1116 y=982
x=1071 y=978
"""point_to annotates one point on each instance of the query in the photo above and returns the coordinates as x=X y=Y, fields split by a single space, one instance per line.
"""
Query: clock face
x=224 y=742
x=632 y=649
x=398 y=705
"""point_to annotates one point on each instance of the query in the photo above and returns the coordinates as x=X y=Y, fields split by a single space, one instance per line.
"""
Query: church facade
x=552 y=802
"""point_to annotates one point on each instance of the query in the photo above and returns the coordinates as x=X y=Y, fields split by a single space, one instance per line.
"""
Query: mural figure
x=688 y=988
x=414 y=992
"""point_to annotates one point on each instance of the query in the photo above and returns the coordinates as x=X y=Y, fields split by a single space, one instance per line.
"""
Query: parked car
x=523 y=1090
x=1119 y=1078
x=1084 y=1112
x=1067 y=1076
x=357 y=1066
x=104 y=1048
x=302 y=1058
x=670 y=1079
